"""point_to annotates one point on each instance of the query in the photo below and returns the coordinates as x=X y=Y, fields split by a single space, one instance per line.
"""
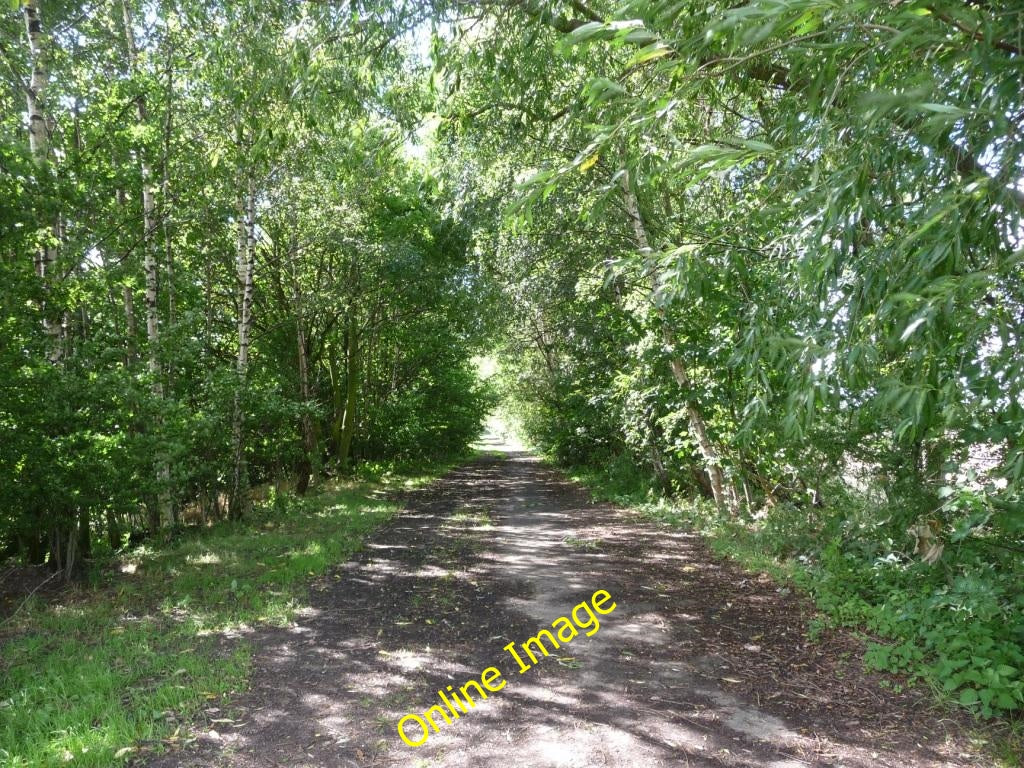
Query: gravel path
x=700 y=664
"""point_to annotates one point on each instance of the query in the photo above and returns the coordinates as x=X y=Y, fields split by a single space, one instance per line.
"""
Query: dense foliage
x=770 y=254
x=220 y=264
x=766 y=255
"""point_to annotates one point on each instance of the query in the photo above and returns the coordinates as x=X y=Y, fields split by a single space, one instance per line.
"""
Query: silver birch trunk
x=64 y=528
x=149 y=226
x=38 y=136
x=246 y=251
x=722 y=491
x=39 y=146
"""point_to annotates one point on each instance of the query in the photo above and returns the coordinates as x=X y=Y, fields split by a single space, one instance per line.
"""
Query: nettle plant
x=956 y=622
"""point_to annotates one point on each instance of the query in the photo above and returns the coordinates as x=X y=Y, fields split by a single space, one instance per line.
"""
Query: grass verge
x=110 y=672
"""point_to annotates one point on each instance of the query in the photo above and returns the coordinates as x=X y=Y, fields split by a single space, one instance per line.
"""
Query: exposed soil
x=700 y=664
x=19 y=582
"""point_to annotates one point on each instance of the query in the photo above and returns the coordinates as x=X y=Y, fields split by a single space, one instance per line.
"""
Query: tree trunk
x=348 y=428
x=722 y=491
x=308 y=465
x=165 y=219
x=165 y=191
x=39 y=146
x=34 y=546
x=38 y=136
x=246 y=249
x=113 y=529
x=149 y=226
x=85 y=533
x=337 y=400
x=208 y=313
x=655 y=435
x=61 y=524
x=130 y=328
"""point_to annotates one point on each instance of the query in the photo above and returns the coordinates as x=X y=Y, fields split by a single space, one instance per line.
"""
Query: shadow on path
x=699 y=665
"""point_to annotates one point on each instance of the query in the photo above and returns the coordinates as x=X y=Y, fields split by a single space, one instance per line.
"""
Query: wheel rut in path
x=700 y=664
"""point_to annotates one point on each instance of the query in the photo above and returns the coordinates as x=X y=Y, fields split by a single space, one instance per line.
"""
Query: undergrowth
x=956 y=625
x=120 y=667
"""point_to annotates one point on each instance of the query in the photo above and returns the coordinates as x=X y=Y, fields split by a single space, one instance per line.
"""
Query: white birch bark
x=246 y=252
x=38 y=136
x=39 y=146
x=64 y=530
x=149 y=225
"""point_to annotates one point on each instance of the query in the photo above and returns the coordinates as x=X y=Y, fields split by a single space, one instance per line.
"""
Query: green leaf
x=1005 y=701
x=649 y=53
x=585 y=32
x=942 y=109
x=909 y=330
x=601 y=89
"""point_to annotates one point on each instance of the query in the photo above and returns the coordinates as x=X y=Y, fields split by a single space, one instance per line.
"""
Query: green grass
x=588 y=545
x=478 y=517
x=120 y=668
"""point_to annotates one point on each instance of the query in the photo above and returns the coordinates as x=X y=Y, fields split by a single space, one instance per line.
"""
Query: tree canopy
x=765 y=254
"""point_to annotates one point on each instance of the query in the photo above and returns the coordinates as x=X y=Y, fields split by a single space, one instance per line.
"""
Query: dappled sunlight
x=407 y=661
x=431 y=601
x=499 y=436
x=269 y=269
x=179 y=639
x=207 y=558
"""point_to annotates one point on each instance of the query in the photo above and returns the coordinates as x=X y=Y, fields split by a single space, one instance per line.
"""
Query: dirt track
x=699 y=665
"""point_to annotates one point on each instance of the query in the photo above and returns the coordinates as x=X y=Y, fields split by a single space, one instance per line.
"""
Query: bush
x=957 y=625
